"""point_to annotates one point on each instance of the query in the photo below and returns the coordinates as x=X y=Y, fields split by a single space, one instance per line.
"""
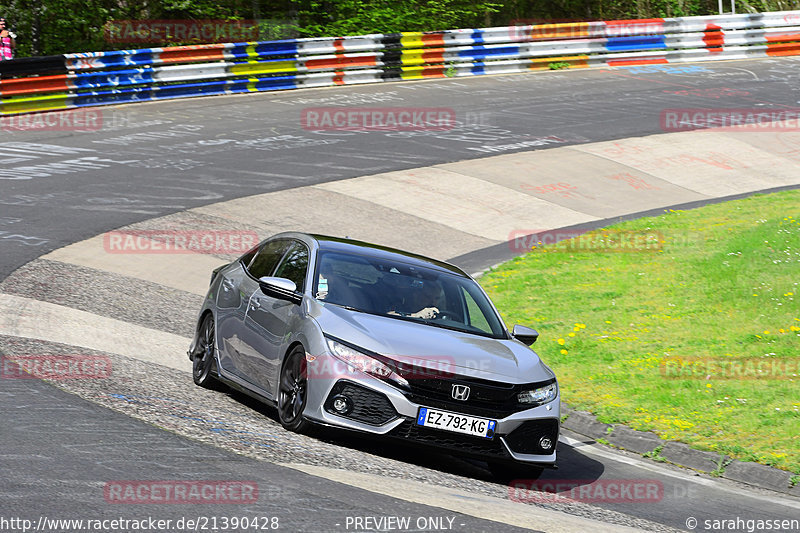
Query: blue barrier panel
x=480 y=52
x=115 y=96
x=620 y=44
x=115 y=78
x=263 y=84
x=477 y=36
x=114 y=58
x=190 y=89
x=262 y=49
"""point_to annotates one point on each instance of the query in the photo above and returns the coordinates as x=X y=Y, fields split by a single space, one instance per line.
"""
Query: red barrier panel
x=185 y=54
x=43 y=84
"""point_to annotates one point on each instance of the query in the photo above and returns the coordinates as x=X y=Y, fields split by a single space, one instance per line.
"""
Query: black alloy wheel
x=203 y=363
x=292 y=391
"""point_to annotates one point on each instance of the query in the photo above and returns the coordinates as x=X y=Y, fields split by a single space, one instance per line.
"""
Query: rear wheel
x=203 y=364
x=292 y=391
x=509 y=471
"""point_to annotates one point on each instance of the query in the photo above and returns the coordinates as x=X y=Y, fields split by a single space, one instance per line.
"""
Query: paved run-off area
x=442 y=211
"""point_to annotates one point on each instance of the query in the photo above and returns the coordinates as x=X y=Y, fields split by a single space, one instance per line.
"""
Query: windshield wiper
x=348 y=307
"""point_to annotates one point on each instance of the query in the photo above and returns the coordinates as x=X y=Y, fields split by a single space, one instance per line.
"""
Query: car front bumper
x=382 y=409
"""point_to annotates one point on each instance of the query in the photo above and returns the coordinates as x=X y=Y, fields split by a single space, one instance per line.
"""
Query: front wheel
x=203 y=363
x=292 y=391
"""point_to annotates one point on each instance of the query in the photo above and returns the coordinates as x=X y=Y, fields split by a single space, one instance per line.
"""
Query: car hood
x=433 y=347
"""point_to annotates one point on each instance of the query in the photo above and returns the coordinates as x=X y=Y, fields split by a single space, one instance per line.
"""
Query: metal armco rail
x=124 y=76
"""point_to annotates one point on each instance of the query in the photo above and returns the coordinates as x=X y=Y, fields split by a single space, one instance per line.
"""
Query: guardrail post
x=733 y=7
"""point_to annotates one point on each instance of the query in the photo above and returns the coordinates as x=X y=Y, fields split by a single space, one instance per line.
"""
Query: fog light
x=342 y=404
x=545 y=443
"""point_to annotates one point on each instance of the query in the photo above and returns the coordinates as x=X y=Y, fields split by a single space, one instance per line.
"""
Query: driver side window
x=267 y=258
x=295 y=265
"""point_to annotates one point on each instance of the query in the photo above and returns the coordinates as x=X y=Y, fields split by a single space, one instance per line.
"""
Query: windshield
x=405 y=292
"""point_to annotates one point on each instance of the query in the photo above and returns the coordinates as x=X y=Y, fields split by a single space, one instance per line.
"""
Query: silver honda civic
x=337 y=332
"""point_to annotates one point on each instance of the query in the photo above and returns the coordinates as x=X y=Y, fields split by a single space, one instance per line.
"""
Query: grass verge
x=686 y=324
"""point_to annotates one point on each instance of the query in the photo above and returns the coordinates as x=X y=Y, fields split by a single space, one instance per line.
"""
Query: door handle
x=227 y=285
x=255 y=305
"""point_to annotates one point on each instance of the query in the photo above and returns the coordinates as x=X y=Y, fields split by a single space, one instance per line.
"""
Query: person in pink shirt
x=7 y=41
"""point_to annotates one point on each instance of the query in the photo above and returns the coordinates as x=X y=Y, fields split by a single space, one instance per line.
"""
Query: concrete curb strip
x=585 y=423
x=681 y=454
x=34 y=319
x=759 y=475
x=636 y=441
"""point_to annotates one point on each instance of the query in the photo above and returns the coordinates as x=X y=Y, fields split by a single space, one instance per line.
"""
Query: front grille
x=525 y=439
x=463 y=444
x=492 y=399
x=369 y=407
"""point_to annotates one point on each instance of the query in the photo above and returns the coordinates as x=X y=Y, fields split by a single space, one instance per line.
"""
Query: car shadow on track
x=572 y=465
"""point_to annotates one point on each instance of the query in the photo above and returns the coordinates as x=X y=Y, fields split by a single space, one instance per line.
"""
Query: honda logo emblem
x=460 y=392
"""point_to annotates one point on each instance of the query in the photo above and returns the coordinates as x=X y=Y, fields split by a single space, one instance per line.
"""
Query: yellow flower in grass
x=682 y=424
x=571 y=334
x=561 y=342
x=564 y=352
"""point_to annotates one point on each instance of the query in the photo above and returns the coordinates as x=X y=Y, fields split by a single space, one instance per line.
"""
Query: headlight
x=539 y=396
x=364 y=363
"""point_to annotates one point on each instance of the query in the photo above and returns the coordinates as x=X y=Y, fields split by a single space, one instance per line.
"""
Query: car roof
x=328 y=243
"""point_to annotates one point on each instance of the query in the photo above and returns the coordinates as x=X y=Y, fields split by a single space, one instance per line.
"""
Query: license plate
x=457 y=423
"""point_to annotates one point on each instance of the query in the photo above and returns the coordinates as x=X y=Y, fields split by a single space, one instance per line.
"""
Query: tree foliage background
x=47 y=27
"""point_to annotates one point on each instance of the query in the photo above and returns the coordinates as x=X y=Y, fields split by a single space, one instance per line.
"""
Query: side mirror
x=280 y=288
x=524 y=334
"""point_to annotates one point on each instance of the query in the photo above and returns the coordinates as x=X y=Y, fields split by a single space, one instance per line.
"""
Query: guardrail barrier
x=100 y=78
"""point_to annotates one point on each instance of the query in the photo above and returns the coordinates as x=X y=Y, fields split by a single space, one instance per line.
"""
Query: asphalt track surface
x=154 y=159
